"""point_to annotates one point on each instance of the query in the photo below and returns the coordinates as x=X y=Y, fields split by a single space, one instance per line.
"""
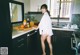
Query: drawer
x=19 y=49
x=19 y=44
x=31 y=33
x=19 y=39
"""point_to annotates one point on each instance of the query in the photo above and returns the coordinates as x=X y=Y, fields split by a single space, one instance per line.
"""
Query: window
x=65 y=8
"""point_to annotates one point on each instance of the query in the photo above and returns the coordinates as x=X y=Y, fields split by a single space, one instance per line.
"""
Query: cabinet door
x=5 y=26
x=62 y=44
x=19 y=45
x=32 y=42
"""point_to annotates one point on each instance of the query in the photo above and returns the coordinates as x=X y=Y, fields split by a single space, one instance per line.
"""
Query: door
x=20 y=45
x=5 y=26
x=32 y=42
x=62 y=42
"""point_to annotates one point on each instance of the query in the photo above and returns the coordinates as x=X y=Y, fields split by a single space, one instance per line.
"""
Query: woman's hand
x=34 y=28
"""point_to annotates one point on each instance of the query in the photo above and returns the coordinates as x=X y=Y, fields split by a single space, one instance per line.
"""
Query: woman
x=45 y=29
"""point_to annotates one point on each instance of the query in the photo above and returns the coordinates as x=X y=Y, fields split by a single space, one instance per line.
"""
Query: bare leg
x=50 y=45
x=43 y=38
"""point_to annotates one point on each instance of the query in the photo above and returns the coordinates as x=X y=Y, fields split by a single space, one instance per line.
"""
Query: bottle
x=24 y=22
x=28 y=22
x=31 y=23
x=28 y=25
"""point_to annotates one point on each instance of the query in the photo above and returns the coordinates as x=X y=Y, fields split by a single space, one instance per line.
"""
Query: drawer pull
x=20 y=45
x=32 y=33
x=35 y=31
x=20 y=40
x=28 y=35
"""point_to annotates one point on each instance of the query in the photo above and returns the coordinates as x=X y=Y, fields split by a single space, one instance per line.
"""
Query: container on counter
x=28 y=22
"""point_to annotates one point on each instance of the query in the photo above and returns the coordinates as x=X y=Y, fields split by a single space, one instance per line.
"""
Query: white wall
x=26 y=5
x=76 y=7
x=34 y=4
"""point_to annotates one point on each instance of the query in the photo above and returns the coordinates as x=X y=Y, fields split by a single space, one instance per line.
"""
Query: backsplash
x=61 y=24
x=17 y=24
x=38 y=15
x=34 y=15
x=76 y=19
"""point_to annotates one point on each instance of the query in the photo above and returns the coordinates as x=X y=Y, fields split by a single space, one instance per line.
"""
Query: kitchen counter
x=21 y=32
x=18 y=32
x=63 y=29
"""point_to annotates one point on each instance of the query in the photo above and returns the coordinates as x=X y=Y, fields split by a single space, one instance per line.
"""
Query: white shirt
x=45 y=26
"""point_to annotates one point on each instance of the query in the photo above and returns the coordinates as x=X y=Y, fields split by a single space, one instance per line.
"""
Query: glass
x=16 y=12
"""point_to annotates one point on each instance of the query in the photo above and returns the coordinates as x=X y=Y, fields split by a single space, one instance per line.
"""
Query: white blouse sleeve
x=45 y=22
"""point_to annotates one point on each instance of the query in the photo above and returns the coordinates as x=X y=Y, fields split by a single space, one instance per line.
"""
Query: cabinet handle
x=32 y=33
x=35 y=31
x=28 y=35
x=20 y=45
x=20 y=40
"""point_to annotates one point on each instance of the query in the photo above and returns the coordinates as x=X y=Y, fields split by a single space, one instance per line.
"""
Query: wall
x=26 y=5
x=75 y=19
x=76 y=7
x=34 y=4
x=31 y=5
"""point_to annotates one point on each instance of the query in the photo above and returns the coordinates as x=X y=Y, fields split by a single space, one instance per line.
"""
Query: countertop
x=63 y=29
x=17 y=31
x=21 y=32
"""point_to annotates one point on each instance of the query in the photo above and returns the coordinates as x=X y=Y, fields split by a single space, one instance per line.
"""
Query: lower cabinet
x=62 y=43
x=20 y=45
x=26 y=44
x=32 y=43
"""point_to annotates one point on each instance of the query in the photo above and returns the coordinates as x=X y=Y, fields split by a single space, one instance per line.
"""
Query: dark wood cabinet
x=32 y=42
x=62 y=42
x=20 y=45
x=25 y=44
x=5 y=26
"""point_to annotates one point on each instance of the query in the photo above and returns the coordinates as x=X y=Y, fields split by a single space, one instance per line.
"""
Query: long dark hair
x=45 y=7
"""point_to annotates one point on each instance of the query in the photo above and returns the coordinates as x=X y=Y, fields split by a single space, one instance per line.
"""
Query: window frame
x=69 y=1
